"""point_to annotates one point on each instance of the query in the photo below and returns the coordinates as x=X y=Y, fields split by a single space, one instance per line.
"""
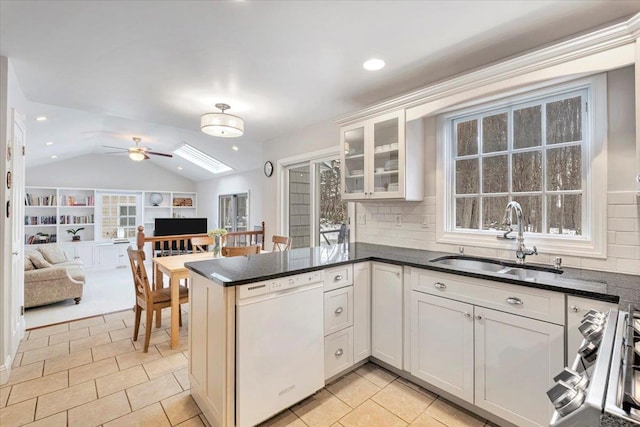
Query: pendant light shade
x=222 y=124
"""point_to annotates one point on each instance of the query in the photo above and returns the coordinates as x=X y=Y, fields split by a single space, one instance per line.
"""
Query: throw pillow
x=28 y=265
x=53 y=254
x=38 y=260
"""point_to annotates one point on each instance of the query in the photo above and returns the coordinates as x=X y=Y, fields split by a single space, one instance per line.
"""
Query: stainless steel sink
x=483 y=265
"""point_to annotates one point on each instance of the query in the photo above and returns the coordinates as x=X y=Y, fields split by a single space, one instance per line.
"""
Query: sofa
x=50 y=276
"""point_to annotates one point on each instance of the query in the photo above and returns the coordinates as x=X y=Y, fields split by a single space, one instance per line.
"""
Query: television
x=176 y=227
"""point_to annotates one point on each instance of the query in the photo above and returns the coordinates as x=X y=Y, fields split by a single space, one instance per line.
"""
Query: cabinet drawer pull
x=339 y=352
x=439 y=285
x=514 y=301
x=467 y=314
x=575 y=308
x=338 y=310
x=338 y=277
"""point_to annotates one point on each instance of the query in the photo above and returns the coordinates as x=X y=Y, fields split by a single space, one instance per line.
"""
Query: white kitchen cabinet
x=515 y=361
x=338 y=309
x=338 y=352
x=501 y=360
x=386 y=313
x=382 y=159
x=576 y=309
x=361 y=311
x=79 y=251
x=112 y=255
x=442 y=343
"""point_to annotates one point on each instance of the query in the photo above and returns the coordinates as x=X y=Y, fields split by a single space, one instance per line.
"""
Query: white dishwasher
x=279 y=345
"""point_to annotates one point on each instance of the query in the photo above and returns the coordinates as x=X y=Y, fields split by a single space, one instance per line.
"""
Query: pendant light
x=222 y=124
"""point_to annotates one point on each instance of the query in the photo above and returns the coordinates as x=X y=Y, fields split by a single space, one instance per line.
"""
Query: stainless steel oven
x=602 y=385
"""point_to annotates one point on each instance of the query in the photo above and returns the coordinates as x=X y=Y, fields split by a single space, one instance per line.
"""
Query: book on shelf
x=77 y=201
x=31 y=199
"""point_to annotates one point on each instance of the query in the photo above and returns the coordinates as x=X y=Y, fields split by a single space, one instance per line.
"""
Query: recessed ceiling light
x=41 y=118
x=373 y=64
x=179 y=168
x=235 y=148
x=48 y=143
x=54 y=157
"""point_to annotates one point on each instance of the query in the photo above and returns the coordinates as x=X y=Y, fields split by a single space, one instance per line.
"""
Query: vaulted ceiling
x=103 y=71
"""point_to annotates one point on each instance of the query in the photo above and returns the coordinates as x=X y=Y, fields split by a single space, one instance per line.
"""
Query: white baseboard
x=5 y=370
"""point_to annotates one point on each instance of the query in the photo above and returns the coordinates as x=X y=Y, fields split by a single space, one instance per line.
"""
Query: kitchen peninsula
x=365 y=301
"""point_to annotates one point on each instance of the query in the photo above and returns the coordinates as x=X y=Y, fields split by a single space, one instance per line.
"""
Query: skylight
x=201 y=159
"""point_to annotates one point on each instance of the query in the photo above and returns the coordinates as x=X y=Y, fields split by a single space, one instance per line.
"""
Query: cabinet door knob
x=467 y=315
x=478 y=317
x=439 y=285
x=338 y=310
x=338 y=277
x=514 y=301
x=575 y=308
x=339 y=352
x=15 y=253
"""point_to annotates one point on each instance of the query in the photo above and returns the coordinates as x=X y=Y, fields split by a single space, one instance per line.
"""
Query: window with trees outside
x=534 y=149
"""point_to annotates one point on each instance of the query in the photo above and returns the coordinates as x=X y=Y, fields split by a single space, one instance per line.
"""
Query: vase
x=217 y=246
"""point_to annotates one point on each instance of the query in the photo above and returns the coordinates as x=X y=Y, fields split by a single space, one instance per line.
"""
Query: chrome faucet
x=521 y=250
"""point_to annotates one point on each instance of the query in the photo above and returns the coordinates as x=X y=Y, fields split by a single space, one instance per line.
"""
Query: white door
x=442 y=343
x=17 y=229
x=516 y=359
x=386 y=313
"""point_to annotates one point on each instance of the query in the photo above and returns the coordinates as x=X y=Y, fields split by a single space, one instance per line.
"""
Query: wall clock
x=268 y=168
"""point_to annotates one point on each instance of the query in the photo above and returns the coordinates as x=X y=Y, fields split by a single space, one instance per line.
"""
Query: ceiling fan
x=137 y=153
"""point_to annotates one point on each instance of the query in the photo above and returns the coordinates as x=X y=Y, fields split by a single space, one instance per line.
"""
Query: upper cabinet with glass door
x=374 y=154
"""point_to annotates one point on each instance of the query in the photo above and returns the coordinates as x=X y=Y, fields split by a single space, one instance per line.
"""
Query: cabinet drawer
x=338 y=277
x=524 y=301
x=338 y=352
x=338 y=309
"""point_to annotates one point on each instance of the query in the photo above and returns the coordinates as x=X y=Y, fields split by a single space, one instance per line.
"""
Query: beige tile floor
x=91 y=373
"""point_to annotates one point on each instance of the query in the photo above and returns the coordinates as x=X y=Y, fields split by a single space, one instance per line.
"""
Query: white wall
x=251 y=181
x=107 y=172
x=312 y=138
x=11 y=97
x=623 y=241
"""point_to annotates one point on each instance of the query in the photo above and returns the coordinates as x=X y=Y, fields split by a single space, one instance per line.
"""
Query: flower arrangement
x=217 y=234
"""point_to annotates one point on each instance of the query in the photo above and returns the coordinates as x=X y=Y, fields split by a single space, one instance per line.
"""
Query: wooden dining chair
x=201 y=244
x=281 y=243
x=229 y=251
x=147 y=299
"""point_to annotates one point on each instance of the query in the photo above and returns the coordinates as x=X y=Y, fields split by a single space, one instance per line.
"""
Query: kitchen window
x=540 y=149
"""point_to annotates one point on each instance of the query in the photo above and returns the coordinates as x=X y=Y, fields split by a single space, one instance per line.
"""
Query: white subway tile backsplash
x=621 y=198
x=628 y=266
x=628 y=238
x=623 y=251
x=622 y=224
x=626 y=211
x=623 y=232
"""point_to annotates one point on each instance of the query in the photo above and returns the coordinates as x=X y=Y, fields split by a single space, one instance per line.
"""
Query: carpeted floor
x=105 y=291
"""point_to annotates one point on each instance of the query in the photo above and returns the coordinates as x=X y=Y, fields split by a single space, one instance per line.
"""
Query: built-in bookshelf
x=50 y=212
x=168 y=205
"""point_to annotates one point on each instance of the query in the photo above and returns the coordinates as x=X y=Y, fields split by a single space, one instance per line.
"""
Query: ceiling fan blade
x=116 y=152
x=155 y=153
x=145 y=155
x=116 y=148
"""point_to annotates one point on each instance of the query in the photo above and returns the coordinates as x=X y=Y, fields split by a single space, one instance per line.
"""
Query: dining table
x=173 y=267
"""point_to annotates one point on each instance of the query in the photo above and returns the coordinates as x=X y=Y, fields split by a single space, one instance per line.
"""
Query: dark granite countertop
x=604 y=286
